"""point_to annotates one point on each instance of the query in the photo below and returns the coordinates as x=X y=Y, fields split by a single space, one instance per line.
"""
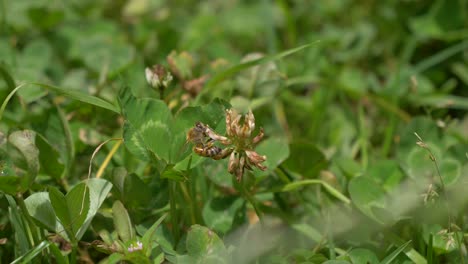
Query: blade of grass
x=440 y=57
x=68 y=139
x=410 y=252
x=440 y=101
x=8 y=98
x=294 y=185
x=308 y=231
x=429 y=253
x=80 y=96
x=85 y=98
x=27 y=258
x=395 y=253
x=55 y=251
x=24 y=240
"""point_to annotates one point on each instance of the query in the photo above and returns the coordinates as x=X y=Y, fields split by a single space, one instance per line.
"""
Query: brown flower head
x=240 y=134
x=239 y=142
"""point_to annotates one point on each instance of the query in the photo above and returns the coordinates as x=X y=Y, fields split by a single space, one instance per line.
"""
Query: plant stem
x=174 y=213
x=251 y=200
x=73 y=253
x=189 y=199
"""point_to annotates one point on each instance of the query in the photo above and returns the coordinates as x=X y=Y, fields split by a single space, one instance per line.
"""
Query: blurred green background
x=348 y=105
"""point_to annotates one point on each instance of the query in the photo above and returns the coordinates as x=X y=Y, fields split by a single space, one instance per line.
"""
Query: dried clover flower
x=239 y=143
x=240 y=134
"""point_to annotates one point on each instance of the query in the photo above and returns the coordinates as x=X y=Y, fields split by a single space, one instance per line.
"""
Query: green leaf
x=450 y=170
x=147 y=126
x=24 y=154
x=150 y=131
x=49 y=158
x=71 y=209
x=386 y=172
x=136 y=192
x=98 y=190
x=366 y=194
x=219 y=213
x=425 y=127
x=419 y=165
x=276 y=149
x=204 y=245
x=131 y=190
x=306 y=159
x=149 y=235
x=173 y=174
x=9 y=181
x=137 y=257
x=40 y=208
x=362 y=255
x=349 y=167
x=122 y=222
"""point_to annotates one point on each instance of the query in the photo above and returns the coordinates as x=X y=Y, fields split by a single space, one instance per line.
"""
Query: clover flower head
x=239 y=143
x=158 y=77
x=240 y=134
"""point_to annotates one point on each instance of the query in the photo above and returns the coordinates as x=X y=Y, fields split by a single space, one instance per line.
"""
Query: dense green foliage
x=363 y=106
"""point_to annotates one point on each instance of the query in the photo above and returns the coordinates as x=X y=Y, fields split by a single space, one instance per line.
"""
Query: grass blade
x=429 y=253
x=19 y=226
x=80 y=96
x=26 y=258
x=294 y=185
x=395 y=253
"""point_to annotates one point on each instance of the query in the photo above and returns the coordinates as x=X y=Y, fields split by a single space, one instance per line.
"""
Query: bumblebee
x=203 y=138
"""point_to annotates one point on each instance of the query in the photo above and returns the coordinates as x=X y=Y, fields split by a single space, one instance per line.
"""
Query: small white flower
x=134 y=247
x=158 y=77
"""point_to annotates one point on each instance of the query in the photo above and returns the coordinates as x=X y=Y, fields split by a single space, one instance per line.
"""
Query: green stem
x=189 y=199
x=73 y=253
x=363 y=137
x=388 y=138
x=174 y=213
x=251 y=200
x=331 y=245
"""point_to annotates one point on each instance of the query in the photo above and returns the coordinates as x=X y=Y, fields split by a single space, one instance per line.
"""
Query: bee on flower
x=239 y=143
